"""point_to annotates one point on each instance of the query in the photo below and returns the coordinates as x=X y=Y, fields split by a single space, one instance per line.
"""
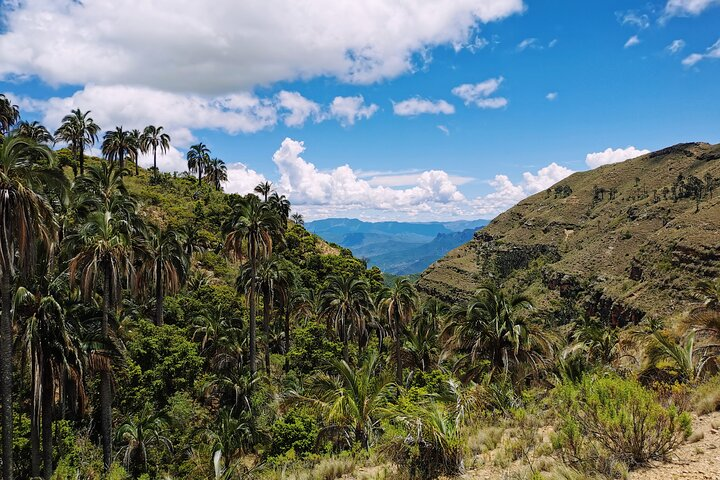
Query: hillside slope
x=624 y=240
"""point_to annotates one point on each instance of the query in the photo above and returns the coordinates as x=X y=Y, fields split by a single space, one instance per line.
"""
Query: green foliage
x=297 y=430
x=609 y=420
x=312 y=350
x=160 y=362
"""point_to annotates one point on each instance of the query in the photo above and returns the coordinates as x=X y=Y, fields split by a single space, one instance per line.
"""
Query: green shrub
x=608 y=421
x=430 y=445
x=706 y=397
x=297 y=430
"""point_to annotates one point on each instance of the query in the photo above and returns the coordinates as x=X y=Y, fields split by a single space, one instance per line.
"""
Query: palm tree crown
x=154 y=138
x=79 y=130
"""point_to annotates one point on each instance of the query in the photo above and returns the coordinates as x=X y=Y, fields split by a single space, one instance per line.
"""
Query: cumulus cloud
x=479 y=93
x=632 y=41
x=712 y=51
x=676 y=8
x=184 y=46
x=298 y=109
x=242 y=179
x=552 y=96
x=418 y=106
x=342 y=187
x=676 y=46
x=505 y=193
x=347 y=110
x=136 y=107
x=610 y=155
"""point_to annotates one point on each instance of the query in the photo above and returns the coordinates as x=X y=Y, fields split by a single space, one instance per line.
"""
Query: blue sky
x=515 y=94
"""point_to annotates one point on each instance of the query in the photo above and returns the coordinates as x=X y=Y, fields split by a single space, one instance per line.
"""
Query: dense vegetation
x=155 y=327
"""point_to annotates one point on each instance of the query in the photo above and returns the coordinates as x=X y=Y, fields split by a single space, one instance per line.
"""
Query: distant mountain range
x=400 y=248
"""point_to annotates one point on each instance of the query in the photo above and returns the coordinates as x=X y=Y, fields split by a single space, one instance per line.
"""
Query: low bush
x=706 y=397
x=605 y=422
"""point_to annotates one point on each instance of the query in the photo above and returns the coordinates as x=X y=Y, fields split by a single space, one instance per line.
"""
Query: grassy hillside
x=624 y=240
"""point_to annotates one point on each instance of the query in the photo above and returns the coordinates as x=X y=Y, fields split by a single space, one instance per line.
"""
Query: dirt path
x=699 y=460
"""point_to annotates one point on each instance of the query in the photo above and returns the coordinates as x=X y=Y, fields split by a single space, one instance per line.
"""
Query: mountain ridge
x=620 y=242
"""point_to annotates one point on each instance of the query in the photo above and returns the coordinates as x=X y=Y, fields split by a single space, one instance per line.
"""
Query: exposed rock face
x=622 y=241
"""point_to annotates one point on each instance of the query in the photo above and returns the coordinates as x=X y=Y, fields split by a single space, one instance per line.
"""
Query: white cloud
x=552 y=43
x=298 y=109
x=349 y=109
x=712 y=52
x=506 y=193
x=409 y=179
x=342 y=187
x=634 y=19
x=479 y=93
x=676 y=46
x=610 y=155
x=242 y=179
x=136 y=107
x=444 y=129
x=185 y=46
x=676 y=8
x=527 y=43
x=632 y=41
x=552 y=96
x=418 y=106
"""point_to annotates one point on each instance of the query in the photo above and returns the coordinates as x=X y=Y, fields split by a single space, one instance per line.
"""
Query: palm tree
x=690 y=362
x=9 y=115
x=117 y=144
x=197 y=159
x=104 y=257
x=348 y=399
x=249 y=234
x=102 y=188
x=298 y=219
x=26 y=221
x=281 y=204
x=164 y=264
x=217 y=172
x=155 y=138
x=422 y=337
x=346 y=304
x=51 y=350
x=136 y=148
x=139 y=434
x=490 y=327
x=34 y=131
x=79 y=130
x=398 y=305
x=264 y=189
x=267 y=274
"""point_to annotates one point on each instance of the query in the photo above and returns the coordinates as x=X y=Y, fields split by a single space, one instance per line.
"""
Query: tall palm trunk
x=82 y=158
x=34 y=431
x=252 y=327
x=48 y=395
x=398 y=350
x=105 y=380
x=155 y=170
x=6 y=376
x=199 y=174
x=267 y=303
x=137 y=160
x=344 y=338
x=159 y=296
x=286 y=331
x=122 y=158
